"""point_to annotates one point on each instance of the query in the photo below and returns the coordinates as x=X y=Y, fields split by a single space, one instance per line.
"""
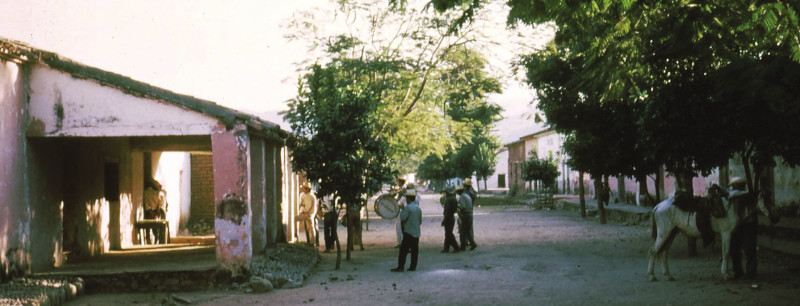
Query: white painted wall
x=549 y=145
x=91 y=109
x=500 y=168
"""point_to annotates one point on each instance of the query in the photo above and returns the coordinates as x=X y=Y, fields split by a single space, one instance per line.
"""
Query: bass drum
x=386 y=206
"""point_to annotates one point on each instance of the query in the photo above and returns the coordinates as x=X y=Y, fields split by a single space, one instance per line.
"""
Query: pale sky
x=230 y=52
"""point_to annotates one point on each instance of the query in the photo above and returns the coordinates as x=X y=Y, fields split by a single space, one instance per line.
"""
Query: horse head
x=767 y=207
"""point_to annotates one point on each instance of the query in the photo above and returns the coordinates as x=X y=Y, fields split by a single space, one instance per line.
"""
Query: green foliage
x=435 y=168
x=661 y=69
x=436 y=101
x=544 y=170
x=333 y=119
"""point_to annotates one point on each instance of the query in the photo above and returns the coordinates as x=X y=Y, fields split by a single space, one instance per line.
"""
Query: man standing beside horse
x=744 y=237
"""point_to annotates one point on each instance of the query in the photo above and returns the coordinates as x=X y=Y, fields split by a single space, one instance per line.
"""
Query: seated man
x=154 y=208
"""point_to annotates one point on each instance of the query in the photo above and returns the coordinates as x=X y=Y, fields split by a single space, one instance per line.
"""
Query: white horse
x=667 y=220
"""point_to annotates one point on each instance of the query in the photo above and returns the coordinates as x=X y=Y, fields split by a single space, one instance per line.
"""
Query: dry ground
x=524 y=257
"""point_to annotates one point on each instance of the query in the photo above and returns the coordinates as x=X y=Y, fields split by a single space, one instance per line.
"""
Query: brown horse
x=667 y=220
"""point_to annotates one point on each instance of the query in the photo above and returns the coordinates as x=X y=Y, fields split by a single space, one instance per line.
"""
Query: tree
x=439 y=64
x=484 y=161
x=334 y=140
x=378 y=97
x=542 y=170
x=436 y=169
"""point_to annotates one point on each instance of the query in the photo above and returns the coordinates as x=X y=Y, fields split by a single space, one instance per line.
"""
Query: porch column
x=257 y=195
x=232 y=224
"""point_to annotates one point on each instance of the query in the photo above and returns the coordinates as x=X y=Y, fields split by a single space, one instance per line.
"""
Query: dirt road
x=524 y=257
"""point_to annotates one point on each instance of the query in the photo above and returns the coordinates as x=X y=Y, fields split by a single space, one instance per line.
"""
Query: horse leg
x=665 y=251
x=653 y=255
x=655 y=250
x=726 y=253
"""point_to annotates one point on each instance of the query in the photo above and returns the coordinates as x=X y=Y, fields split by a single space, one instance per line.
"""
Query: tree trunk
x=582 y=194
x=660 y=184
x=643 y=192
x=349 y=234
x=601 y=210
x=621 y=189
x=338 y=253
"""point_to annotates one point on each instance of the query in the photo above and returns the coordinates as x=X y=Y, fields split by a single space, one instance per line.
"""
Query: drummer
x=397 y=192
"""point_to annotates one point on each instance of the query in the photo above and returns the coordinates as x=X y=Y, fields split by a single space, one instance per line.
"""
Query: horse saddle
x=718 y=208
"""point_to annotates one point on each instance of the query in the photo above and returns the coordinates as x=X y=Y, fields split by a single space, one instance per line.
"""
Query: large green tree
x=438 y=63
x=334 y=141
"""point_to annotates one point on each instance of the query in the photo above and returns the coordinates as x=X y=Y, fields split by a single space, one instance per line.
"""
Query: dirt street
x=524 y=257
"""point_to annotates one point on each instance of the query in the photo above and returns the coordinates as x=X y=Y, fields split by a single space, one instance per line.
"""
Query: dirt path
x=523 y=257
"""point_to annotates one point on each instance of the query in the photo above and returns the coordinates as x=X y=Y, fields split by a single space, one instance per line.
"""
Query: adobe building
x=77 y=144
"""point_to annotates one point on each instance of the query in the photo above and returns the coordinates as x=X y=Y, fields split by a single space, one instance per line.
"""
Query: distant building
x=546 y=143
x=498 y=181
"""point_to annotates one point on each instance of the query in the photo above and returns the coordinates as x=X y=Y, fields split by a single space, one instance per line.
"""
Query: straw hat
x=467 y=182
x=736 y=180
x=410 y=190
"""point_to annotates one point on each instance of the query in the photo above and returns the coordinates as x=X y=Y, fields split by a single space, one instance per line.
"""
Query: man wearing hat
x=450 y=206
x=398 y=192
x=307 y=210
x=473 y=194
x=411 y=220
x=743 y=239
x=465 y=216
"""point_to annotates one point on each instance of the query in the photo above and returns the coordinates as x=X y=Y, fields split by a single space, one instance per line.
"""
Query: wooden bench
x=143 y=226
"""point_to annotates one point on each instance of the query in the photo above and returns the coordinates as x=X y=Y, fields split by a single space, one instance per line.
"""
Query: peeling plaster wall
x=15 y=233
x=232 y=227
x=62 y=105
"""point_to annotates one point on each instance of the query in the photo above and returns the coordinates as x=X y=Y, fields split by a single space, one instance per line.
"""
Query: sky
x=232 y=53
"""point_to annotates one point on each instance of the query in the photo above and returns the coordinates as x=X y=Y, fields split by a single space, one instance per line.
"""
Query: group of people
x=410 y=219
x=325 y=208
x=463 y=208
x=455 y=200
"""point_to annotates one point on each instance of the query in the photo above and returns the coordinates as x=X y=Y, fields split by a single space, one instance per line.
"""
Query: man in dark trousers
x=743 y=239
x=465 y=214
x=411 y=220
x=329 y=222
x=450 y=204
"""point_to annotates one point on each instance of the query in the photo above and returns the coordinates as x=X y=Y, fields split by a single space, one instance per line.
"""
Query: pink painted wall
x=14 y=218
x=232 y=225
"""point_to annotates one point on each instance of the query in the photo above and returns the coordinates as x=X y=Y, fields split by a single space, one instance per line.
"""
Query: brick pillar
x=232 y=224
